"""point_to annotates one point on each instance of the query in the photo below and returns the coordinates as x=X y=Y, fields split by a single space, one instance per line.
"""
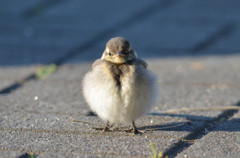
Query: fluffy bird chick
x=120 y=88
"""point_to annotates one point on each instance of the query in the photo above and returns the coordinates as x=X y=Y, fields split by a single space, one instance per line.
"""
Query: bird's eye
x=109 y=54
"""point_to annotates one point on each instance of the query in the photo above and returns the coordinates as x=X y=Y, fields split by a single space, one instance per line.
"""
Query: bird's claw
x=134 y=131
x=104 y=129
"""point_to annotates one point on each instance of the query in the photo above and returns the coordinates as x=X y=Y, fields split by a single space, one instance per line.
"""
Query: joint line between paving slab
x=39 y=8
x=28 y=155
x=78 y=151
x=140 y=15
x=199 y=133
x=17 y=85
x=223 y=31
x=91 y=132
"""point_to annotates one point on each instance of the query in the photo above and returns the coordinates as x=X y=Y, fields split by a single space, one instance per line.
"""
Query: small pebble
x=36 y=98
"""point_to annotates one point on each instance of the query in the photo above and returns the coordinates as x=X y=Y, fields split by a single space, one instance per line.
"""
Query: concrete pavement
x=192 y=46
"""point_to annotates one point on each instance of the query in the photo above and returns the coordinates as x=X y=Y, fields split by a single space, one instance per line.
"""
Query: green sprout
x=155 y=155
x=31 y=155
x=45 y=71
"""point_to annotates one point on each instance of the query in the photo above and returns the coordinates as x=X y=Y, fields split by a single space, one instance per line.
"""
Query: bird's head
x=119 y=50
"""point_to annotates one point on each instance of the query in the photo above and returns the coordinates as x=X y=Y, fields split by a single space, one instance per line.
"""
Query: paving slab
x=11 y=154
x=11 y=7
x=48 y=119
x=59 y=29
x=39 y=133
x=217 y=9
x=193 y=28
x=223 y=141
x=148 y=37
x=63 y=123
x=192 y=82
x=178 y=78
x=212 y=77
x=64 y=154
x=61 y=92
x=59 y=101
x=157 y=29
x=19 y=42
x=97 y=15
x=12 y=74
x=195 y=83
x=228 y=43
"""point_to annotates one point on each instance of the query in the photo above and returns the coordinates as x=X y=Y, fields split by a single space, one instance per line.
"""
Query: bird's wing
x=97 y=62
x=142 y=62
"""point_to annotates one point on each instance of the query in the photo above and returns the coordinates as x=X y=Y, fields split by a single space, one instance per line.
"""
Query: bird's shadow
x=174 y=126
x=220 y=122
x=195 y=122
x=192 y=123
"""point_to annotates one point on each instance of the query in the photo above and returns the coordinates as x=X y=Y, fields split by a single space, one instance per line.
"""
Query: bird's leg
x=104 y=129
x=133 y=129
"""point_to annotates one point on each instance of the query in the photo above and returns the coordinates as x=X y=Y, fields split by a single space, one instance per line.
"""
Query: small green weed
x=31 y=155
x=45 y=71
x=155 y=155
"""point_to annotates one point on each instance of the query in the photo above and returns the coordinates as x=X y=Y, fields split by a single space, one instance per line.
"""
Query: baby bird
x=120 y=88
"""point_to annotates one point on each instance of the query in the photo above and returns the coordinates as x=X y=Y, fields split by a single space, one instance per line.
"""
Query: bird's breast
x=118 y=72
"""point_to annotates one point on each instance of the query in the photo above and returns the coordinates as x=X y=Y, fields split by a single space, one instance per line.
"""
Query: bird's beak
x=119 y=58
x=119 y=54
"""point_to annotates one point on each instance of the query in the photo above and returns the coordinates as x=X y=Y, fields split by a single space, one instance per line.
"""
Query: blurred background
x=71 y=31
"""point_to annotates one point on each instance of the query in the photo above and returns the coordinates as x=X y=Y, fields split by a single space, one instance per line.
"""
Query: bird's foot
x=134 y=131
x=104 y=129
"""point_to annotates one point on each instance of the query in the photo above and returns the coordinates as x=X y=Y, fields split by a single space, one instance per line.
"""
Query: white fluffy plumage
x=120 y=92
